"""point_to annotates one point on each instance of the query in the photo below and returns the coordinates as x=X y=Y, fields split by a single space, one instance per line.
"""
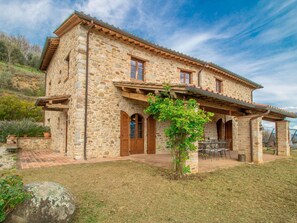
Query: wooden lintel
x=135 y=96
x=57 y=106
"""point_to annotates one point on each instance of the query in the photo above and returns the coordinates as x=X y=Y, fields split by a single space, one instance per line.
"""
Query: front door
x=136 y=134
x=228 y=133
x=151 y=135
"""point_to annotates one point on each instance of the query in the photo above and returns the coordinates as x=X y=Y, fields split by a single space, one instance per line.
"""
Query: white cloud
x=114 y=11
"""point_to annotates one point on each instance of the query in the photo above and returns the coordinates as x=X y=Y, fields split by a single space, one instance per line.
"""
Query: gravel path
x=7 y=160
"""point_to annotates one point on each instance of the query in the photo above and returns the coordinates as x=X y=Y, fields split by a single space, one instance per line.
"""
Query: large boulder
x=49 y=202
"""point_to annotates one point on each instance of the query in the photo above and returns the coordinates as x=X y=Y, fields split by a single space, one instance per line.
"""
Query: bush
x=12 y=193
x=5 y=80
x=21 y=128
x=13 y=108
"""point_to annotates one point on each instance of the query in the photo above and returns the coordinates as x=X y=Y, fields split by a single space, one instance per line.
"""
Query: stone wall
x=61 y=81
x=34 y=143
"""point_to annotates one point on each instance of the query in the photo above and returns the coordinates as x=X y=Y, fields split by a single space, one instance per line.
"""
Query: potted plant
x=12 y=137
x=47 y=132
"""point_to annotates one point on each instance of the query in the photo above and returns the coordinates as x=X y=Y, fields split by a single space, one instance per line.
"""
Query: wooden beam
x=135 y=96
x=57 y=106
x=139 y=91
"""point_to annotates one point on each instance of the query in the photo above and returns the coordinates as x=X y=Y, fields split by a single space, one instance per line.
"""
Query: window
x=219 y=86
x=136 y=126
x=67 y=60
x=137 y=69
x=185 y=77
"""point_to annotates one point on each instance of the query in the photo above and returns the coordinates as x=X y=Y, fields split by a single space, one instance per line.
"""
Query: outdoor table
x=212 y=148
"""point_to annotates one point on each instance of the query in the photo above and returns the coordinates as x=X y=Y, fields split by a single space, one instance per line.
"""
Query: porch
x=236 y=121
x=46 y=158
x=204 y=165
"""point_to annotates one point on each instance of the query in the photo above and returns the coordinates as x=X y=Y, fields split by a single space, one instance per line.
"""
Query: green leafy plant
x=21 y=128
x=13 y=108
x=187 y=123
x=12 y=193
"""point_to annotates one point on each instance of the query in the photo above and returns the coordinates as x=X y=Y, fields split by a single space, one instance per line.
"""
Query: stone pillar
x=193 y=161
x=282 y=138
x=244 y=139
x=257 y=140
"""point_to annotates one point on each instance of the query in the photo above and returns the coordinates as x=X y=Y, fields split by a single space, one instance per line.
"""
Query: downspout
x=251 y=133
x=87 y=90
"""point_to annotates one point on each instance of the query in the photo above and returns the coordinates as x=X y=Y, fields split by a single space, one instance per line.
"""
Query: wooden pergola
x=54 y=103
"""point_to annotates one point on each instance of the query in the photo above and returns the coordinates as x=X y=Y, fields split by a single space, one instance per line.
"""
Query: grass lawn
x=126 y=191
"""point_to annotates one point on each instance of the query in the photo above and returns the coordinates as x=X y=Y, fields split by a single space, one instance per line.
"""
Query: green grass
x=23 y=68
x=126 y=191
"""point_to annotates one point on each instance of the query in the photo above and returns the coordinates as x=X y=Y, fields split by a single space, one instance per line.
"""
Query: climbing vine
x=186 y=126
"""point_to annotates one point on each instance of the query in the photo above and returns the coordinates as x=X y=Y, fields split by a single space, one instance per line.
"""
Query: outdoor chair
x=224 y=147
x=203 y=151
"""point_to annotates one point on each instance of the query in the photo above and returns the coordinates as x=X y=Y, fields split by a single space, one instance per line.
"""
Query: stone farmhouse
x=97 y=81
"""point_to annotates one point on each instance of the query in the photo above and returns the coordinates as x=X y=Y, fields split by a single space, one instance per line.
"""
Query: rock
x=49 y=202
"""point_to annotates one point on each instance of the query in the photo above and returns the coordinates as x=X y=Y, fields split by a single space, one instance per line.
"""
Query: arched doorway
x=220 y=128
x=228 y=134
x=136 y=134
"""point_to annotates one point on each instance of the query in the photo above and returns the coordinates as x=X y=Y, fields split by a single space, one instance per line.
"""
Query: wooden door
x=136 y=134
x=219 y=129
x=124 y=144
x=228 y=133
x=151 y=135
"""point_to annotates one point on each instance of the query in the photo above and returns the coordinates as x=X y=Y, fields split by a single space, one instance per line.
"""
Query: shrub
x=21 y=128
x=13 y=108
x=12 y=193
x=5 y=79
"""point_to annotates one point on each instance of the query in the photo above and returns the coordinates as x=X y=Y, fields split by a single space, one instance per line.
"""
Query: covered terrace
x=246 y=117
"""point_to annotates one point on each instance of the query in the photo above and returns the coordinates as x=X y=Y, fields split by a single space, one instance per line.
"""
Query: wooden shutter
x=151 y=135
x=124 y=144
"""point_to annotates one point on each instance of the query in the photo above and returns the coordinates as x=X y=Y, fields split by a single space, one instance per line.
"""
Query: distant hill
x=23 y=81
x=19 y=74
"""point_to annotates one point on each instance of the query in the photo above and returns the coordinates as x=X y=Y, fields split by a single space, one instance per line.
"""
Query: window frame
x=67 y=60
x=181 y=71
x=219 y=85
x=137 y=62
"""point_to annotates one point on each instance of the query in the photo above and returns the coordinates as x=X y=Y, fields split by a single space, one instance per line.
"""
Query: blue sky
x=256 y=39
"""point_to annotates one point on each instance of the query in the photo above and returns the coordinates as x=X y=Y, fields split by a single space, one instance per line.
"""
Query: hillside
x=23 y=81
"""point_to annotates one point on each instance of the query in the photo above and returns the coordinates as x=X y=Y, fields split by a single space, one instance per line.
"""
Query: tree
x=187 y=123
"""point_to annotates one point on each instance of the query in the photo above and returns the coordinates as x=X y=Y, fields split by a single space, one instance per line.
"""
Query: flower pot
x=12 y=137
x=47 y=135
